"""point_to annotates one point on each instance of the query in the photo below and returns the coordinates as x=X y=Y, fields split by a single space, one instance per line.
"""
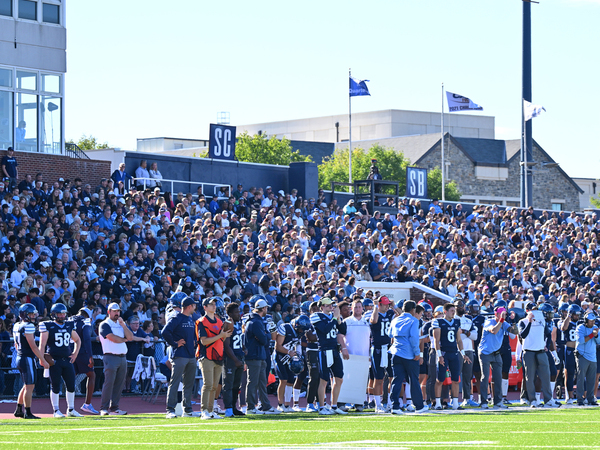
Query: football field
x=571 y=427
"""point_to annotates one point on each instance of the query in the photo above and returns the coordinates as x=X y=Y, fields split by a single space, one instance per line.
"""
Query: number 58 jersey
x=59 y=338
x=449 y=330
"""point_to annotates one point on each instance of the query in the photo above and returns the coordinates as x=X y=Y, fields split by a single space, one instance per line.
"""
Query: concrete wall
x=591 y=188
x=111 y=155
x=54 y=167
x=39 y=46
x=226 y=172
x=376 y=125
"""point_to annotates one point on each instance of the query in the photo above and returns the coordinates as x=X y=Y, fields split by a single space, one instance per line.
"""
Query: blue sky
x=139 y=69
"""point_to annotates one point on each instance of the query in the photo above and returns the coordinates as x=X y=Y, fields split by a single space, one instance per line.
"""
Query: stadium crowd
x=254 y=280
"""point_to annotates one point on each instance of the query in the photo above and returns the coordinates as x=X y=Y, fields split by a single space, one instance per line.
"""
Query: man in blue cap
x=587 y=340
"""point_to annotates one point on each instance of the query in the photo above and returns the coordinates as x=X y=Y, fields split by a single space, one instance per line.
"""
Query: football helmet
x=296 y=364
x=574 y=311
x=26 y=311
x=58 y=308
x=301 y=324
x=177 y=298
x=256 y=298
x=472 y=307
x=548 y=310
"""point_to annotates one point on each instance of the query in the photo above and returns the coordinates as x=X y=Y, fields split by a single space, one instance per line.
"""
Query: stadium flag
x=459 y=103
x=358 y=87
x=530 y=110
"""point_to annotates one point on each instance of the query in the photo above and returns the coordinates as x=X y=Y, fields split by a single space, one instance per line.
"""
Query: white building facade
x=33 y=63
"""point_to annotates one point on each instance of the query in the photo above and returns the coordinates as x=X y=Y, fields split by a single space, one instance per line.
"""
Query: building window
x=27 y=10
x=557 y=206
x=51 y=83
x=6 y=115
x=5 y=77
x=26 y=121
x=51 y=124
x=6 y=8
x=51 y=13
x=26 y=80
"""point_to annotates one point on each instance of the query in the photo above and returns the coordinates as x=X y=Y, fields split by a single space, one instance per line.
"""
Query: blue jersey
x=269 y=324
x=449 y=330
x=548 y=333
x=425 y=331
x=21 y=329
x=236 y=340
x=380 y=330
x=291 y=340
x=58 y=344
x=326 y=329
x=478 y=322
x=570 y=335
x=560 y=335
x=83 y=327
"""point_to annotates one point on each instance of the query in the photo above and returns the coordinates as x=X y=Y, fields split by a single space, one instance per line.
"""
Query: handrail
x=74 y=151
x=134 y=181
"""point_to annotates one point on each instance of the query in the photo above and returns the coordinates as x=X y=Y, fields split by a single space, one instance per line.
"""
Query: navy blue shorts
x=569 y=358
x=560 y=351
x=476 y=364
x=62 y=368
x=423 y=367
x=27 y=369
x=506 y=354
x=376 y=372
x=283 y=370
x=451 y=363
x=82 y=364
x=551 y=364
x=336 y=369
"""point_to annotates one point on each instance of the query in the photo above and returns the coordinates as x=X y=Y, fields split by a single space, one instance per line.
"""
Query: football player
x=312 y=363
x=425 y=344
x=469 y=336
x=560 y=349
x=85 y=362
x=380 y=319
x=233 y=367
x=326 y=324
x=553 y=360
x=447 y=342
x=23 y=335
x=287 y=347
x=568 y=333
x=505 y=353
x=473 y=313
x=55 y=339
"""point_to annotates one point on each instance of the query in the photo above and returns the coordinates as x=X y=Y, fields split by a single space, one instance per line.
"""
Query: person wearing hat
x=327 y=324
x=180 y=334
x=256 y=339
x=9 y=167
x=114 y=335
x=210 y=336
x=587 y=342
x=349 y=208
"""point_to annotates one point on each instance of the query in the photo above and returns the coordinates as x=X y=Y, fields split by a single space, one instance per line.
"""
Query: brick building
x=488 y=170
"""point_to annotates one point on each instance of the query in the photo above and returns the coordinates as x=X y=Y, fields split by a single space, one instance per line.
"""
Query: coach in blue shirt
x=406 y=355
x=489 y=354
x=587 y=340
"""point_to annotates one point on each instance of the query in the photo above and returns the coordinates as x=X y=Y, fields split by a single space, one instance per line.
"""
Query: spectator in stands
x=155 y=175
x=9 y=167
x=141 y=176
x=120 y=175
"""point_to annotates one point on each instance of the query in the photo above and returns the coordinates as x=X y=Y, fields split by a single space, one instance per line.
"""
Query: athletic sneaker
x=229 y=412
x=206 y=415
x=324 y=411
x=104 y=412
x=171 y=415
x=410 y=408
x=254 y=412
x=237 y=412
x=271 y=410
x=552 y=404
x=458 y=408
x=371 y=405
x=20 y=414
x=505 y=401
x=379 y=410
x=215 y=415
x=424 y=409
x=30 y=416
x=438 y=408
x=359 y=408
x=310 y=408
x=191 y=414
x=344 y=408
x=484 y=405
x=500 y=406
x=89 y=409
x=594 y=403
x=570 y=401
x=297 y=408
x=118 y=412
x=388 y=408
x=58 y=415
x=398 y=412
x=73 y=413
x=218 y=409
x=284 y=409
x=472 y=403
x=339 y=411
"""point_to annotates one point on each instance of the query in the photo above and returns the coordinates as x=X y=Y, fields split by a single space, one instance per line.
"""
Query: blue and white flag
x=358 y=87
x=530 y=110
x=459 y=103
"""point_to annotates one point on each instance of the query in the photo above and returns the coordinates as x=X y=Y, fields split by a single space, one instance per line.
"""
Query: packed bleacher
x=87 y=247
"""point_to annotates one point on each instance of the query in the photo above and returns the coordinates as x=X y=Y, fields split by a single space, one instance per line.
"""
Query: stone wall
x=548 y=183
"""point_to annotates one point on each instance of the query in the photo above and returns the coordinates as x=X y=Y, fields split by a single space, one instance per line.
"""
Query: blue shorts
x=82 y=364
x=283 y=370
x=560 y=351
x=336 y=369
x=27 y=368
x=376 y=372
x=62 y=369
x=551 y=364
x=451 y=363
x=569 y=358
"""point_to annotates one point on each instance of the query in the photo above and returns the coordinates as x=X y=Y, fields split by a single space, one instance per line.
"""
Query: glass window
x=6 y=77
x=557 y=206
x=6 y=8
x=51 y=124
x=26 y=121
x=6 y=119
x=27 y=10
x=51 y=83
x=51 y=13
x=26 y=80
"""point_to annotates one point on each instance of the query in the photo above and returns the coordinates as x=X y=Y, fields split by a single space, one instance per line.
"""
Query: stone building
x=488 y=170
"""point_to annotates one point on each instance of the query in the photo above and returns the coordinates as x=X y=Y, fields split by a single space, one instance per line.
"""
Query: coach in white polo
x=114 y=334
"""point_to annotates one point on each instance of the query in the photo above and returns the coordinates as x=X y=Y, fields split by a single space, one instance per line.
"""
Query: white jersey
x=358 y=336
x=466 y=324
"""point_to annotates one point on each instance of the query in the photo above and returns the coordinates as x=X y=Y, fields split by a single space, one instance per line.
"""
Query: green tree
x=595 y=201
x=392 y=166
x=260 y=149
x=434 y=186
x=88 y=143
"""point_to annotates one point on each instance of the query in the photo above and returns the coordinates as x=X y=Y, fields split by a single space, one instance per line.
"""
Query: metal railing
x=74 y=151
x=151 y=183
x=367 y=190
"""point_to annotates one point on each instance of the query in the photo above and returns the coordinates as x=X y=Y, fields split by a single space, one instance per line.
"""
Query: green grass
x=516 y=428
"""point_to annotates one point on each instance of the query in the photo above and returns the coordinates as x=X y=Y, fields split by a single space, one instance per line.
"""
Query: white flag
x=459 y=103
x=531 y=110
